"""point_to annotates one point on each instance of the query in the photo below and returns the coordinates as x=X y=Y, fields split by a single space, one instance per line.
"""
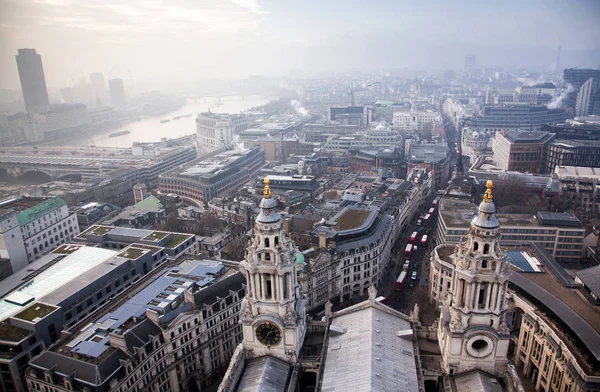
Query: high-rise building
x=98 y=86
x=588 y=98
x=469 y=62
x=118 y=99
x=33 y=81
x=523 y=151
x=576 y=77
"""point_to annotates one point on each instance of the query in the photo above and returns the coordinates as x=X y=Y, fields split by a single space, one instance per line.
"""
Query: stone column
x=488 y=294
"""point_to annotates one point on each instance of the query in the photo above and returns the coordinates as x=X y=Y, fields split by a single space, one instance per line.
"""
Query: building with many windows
x=33 y=81
x=582 y=153
x=216 y=131
x=217 y=176
x=588 y=98
x=578 y=187
x=522 y=151
x=560 y=234
x=579 y=128
x=416 y=120
x=173 y=332
x=58 y=291
x=32 y=227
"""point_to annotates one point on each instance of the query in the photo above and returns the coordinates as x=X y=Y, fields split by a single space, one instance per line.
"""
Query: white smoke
x=557 y=101
x=380 y=127
x=239 y=146
x=298 y=108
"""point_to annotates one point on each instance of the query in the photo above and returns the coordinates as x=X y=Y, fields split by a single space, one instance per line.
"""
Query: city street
x=416 y=291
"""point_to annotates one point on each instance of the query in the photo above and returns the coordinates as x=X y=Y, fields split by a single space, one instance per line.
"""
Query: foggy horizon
x=164 y=43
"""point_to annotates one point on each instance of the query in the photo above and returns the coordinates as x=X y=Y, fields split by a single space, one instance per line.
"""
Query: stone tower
x=473 y=331
x=273 y=313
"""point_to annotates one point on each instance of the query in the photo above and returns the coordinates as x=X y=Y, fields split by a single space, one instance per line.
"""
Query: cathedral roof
x=268 y=207
x=486 y=217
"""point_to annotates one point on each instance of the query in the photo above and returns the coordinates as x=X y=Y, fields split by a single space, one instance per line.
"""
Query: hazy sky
x=186 y=40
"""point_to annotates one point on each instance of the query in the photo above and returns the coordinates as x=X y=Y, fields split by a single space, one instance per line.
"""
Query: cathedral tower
x=473 y=331
x=272 y=313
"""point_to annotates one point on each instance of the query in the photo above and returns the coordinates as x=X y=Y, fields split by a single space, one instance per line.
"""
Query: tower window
x=484 y=263
x=475 y=246
x=266 y=242
x=285 y=286
x=268 y=284
x=481 y=298
x=276 y=240
x=267 y=257
x=486 y=249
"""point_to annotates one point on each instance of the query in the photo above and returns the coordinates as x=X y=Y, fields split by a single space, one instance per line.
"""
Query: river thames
x=149 y=129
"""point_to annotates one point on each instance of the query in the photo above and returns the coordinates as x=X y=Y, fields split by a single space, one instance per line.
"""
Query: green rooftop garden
x=351 y=219
x=176 y=240
x=132 y=253
x=66 y=249
x=34 y=311
x=99 y=230
x=12 y=333
x=156 y=236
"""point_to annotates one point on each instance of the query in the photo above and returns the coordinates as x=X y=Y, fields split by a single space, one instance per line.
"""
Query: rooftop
x=213 y=166
x=576 y=172
x=39 y=210
x=351 y=218
x=429 y=153
x=371 y=349
x=37 y=310
x=53 y=283
x=11 y=333
x=523 y=136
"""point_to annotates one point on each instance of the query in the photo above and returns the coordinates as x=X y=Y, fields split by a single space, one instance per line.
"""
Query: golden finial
x=267 y=191
x=488 y=193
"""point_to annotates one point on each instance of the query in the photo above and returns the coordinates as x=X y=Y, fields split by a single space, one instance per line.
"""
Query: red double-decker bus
x=413 y=237
x=424 y=240
x=401 y=281
x=431 y=211
x=407 y=251
x=425 y=220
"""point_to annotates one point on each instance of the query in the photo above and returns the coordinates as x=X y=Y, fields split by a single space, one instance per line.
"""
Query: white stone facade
x=217 y=131
x=416 y=121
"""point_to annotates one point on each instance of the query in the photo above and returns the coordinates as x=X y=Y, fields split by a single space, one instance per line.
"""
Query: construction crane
x=351 y=92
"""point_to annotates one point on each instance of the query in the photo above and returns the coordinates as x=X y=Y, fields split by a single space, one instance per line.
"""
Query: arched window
x=266 y=242
x=276 y=240
x=475 y=246
x=486 y=249
x=267 y=257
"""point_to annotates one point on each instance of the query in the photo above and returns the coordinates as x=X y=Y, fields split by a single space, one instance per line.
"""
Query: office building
x=19 y=128
x=172 y=244
x=469 y=62
x=33 y=81
x=301 y=183
x=416 y=120
x=539 y=94
x=58 y=291
x=576 y=77
x=522 y=151
x=282 y=150
x=98 y=86
x=580 y=153
x=360 y=116
x=176 y=332
x=118 y=97
x=215 y=131
x=33 y=227
x=376 y=160
x=588 y=98
x=220 y=175
x=579 y=128
x=515 y=116
x=434 y=158
x=578 y=187
x=560 y=234
x=64 y=120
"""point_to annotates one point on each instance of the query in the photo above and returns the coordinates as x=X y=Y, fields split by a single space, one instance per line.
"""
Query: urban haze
x=310 y=196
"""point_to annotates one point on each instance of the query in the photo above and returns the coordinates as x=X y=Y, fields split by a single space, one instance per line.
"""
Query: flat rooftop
x=350 y=219
x=524 y=136
x=577 y=173
x=428 y=152
x=459 y=213
x=210 y=167
x=163 y=295
x=56 y=282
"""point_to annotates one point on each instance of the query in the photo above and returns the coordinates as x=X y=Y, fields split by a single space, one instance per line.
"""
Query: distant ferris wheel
x=121 y=71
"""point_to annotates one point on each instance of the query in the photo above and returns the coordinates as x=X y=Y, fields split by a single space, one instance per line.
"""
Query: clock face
x=268 y=334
